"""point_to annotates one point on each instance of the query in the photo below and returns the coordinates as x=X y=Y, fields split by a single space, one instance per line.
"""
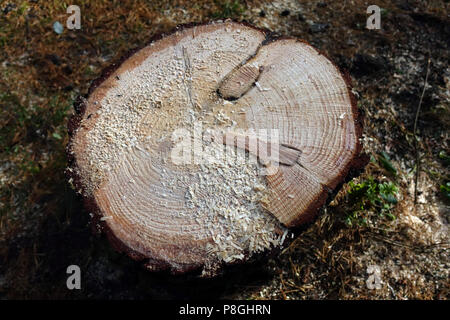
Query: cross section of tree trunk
x=203 y=148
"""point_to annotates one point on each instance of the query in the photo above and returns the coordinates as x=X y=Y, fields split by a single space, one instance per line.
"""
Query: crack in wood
x=188 y=75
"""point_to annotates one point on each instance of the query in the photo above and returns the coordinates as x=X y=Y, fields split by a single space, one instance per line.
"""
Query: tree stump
x=203 y=148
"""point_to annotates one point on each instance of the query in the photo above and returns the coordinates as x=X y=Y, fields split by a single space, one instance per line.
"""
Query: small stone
x=58 y=27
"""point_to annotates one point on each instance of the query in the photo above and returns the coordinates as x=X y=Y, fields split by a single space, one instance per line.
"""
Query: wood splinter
x=265 y=151
x=239 y=81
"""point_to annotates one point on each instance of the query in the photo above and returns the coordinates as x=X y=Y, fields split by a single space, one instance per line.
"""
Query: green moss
x=386 y=163
x=228 y=9
x=370 y=196
x=445 y=189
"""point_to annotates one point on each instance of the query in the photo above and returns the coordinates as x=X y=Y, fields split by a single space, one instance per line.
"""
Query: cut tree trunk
x=203 y=148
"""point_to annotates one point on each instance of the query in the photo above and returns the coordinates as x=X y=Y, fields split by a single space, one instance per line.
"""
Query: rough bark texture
x=231 y=78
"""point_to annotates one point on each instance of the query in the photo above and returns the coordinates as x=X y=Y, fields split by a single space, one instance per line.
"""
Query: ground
x=385 y=234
